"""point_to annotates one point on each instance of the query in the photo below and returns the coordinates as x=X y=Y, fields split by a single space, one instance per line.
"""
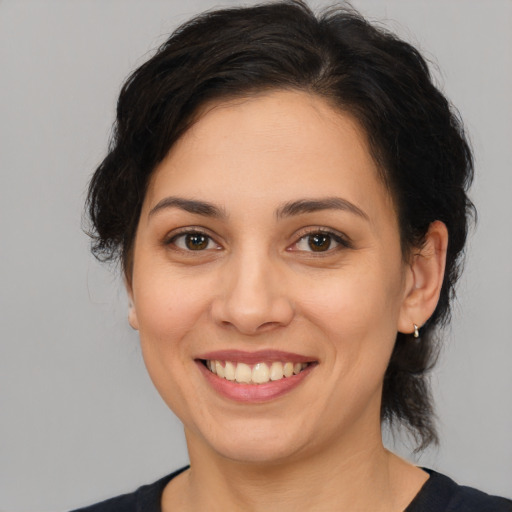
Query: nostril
x=267 y=326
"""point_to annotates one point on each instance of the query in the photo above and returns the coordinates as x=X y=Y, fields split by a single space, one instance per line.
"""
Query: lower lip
x=254 y=392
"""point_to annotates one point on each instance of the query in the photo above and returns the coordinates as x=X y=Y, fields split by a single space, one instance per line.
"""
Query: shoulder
x=124 y=503
x=442 y=494
x=144 y=499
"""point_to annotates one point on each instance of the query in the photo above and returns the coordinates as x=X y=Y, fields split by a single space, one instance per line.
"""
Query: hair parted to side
x=415 y=136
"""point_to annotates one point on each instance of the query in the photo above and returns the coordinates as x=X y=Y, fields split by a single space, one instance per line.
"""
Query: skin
x=258 y=285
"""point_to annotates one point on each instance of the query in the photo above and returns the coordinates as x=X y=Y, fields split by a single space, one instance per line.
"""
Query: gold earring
x=416 y=331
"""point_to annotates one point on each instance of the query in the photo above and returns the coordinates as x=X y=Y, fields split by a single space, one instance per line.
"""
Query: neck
x=349 y=475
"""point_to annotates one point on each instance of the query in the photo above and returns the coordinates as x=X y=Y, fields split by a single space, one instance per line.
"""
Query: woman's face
x=267 y=238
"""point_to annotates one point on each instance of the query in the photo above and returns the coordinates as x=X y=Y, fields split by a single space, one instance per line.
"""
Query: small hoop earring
x=416 y=332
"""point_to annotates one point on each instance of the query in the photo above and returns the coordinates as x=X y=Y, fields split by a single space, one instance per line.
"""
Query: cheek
x=358 y=313
x=169 y=308
x=357 y=303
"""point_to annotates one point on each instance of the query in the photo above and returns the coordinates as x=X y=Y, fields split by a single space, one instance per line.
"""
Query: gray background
x=80 y=420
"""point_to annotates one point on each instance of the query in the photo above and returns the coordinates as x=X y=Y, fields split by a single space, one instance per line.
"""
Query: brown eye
x=196 y=241
x=193 y=241
x=319 y=242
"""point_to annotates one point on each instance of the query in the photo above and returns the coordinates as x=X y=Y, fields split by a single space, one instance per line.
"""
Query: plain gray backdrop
x=80 y=420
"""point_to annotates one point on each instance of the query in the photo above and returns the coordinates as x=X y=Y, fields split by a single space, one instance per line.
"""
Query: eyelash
x=342 y=241
x=186 y=232
x=335 y=237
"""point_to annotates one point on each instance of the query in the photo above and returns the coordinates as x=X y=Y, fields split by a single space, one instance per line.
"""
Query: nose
x=253 y=296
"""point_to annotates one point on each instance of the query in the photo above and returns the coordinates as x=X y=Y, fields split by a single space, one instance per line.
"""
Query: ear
x=132 y=312
x=425 y=275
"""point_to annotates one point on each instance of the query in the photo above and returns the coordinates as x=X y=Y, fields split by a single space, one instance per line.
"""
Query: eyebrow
x=189 y=205
x=290 y=209
x=302 y=206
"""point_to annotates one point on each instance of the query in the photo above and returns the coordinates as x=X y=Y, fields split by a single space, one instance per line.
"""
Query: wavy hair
x=416 y=138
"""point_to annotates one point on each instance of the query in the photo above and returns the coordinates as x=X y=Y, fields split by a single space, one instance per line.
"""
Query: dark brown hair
x=415 y=136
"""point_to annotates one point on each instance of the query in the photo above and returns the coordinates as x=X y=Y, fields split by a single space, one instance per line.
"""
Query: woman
x=287 y=197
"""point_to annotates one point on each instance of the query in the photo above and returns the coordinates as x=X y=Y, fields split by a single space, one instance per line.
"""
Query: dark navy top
x=438 y=494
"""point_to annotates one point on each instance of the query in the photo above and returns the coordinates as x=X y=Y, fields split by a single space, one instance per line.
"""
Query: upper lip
x=255 y=357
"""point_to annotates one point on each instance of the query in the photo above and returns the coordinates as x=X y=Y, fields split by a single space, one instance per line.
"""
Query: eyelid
x=340 y=238
x=190 y=230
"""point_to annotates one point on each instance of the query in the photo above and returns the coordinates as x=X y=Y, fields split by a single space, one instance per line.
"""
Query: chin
x=256 y=452
x=254 y=444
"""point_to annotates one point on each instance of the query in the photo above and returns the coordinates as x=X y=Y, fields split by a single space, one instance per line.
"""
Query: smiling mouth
x=259 y=373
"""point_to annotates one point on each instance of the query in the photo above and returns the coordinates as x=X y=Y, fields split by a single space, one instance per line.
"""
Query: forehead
x=280 y=144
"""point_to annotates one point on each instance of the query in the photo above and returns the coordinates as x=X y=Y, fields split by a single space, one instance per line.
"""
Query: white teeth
x=288 y=369
x=276 y=371
x=220 y=369
x=260 y=373
x=229 y=371
x=243 y=373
